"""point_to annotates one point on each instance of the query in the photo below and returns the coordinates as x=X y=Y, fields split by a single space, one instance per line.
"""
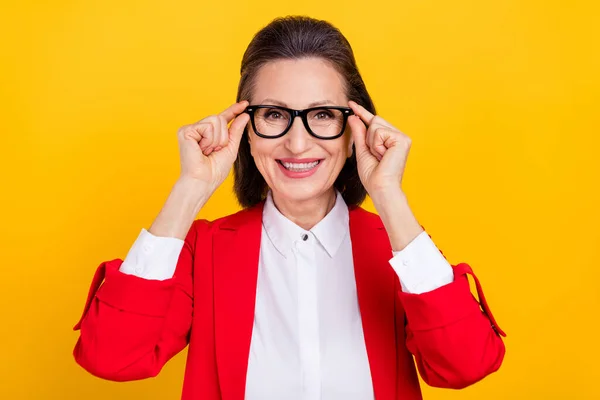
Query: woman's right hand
x=208 y=148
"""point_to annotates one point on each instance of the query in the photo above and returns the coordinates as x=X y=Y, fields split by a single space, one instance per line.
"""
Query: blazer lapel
x=375 y=288
x=236 y=255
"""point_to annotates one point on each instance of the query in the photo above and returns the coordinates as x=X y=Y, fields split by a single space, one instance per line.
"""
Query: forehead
x=298 y=83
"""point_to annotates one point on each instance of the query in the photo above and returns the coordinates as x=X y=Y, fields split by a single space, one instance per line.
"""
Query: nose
x=297 y=140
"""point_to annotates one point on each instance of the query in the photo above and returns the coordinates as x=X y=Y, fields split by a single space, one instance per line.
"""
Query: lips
x=299 y=168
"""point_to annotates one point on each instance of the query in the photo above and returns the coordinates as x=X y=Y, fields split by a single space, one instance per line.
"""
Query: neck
x=306 y=213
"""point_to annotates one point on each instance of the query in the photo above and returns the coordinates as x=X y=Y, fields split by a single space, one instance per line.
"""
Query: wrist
x=384 y=197
x=188 y=196
x=397 y=217
x=183 y=204
x=193 y=189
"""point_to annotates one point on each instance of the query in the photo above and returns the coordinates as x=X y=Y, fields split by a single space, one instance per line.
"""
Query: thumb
x=359 y=133
x=236 y=130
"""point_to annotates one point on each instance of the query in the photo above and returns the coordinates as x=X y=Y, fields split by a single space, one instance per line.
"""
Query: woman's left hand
x=381 y=150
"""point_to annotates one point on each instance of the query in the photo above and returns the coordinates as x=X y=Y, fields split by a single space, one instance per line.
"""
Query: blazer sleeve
x=131 y=326
x=454 y=338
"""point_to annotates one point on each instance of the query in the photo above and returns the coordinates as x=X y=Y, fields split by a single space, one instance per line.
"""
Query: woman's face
x=288 y=163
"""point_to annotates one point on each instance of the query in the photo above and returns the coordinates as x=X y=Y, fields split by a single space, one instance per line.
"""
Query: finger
x=365 y=115
x=205 y=132
x=382 y=122
x=191 y=135
x=368 y=117
x=359 y=132
x=372 y=134
x=233 y=110
x=223 y=134
x=236 y=130
x=217 y=128
x=208 y=129
x=188 y=132
x=378 y=146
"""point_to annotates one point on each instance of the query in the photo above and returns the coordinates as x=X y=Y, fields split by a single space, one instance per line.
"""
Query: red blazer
x=131 y=327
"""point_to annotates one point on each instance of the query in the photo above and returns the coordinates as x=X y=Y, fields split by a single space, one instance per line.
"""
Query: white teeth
x=300 y=167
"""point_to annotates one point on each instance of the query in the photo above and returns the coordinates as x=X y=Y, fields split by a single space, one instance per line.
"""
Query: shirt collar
x=330 y=231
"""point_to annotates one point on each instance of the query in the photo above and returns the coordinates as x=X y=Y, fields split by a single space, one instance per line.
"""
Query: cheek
x=261 y=150
x=338 y=155
x=343 y=149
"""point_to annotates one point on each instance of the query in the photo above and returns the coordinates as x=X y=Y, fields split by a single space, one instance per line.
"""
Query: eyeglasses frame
x=346 y=112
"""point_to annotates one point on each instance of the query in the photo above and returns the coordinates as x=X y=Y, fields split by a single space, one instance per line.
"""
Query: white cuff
x=152 y=257
x=421 y=266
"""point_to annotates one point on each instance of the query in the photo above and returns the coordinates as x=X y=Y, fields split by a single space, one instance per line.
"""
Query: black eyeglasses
x=327 y=122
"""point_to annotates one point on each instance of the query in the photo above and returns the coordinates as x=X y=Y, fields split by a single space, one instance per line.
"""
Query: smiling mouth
x=299 y=167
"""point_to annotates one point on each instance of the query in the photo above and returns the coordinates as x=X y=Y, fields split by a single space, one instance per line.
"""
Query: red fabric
x=131 y=327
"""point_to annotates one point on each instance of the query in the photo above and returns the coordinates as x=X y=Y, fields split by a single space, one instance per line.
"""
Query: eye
x=324 y=115
x=273 y=114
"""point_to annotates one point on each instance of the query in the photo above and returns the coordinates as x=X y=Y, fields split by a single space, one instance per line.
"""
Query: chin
x=299 y=191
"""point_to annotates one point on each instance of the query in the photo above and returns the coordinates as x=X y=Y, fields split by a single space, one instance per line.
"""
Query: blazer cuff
x=134 y=294
x=447 y=304
x=128 y=292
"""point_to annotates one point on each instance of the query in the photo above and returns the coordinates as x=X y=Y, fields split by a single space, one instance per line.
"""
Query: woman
x=302 y=294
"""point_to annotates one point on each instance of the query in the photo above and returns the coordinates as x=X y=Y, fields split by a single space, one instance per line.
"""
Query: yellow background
x=500 y=98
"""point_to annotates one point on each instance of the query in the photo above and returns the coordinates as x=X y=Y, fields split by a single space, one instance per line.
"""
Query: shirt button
x=304 y=237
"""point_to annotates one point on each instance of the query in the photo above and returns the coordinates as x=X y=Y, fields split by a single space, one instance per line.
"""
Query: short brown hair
x=296 y=37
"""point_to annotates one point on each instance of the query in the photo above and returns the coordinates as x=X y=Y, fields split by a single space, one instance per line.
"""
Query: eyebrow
x=283 y=104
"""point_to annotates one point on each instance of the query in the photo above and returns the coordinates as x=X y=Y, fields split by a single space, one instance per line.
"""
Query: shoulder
x=228 y=222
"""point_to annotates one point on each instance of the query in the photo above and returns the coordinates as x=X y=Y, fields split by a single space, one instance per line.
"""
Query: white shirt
x=306 y=315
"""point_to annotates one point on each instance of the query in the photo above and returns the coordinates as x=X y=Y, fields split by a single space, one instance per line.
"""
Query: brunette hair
x=297 y=37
